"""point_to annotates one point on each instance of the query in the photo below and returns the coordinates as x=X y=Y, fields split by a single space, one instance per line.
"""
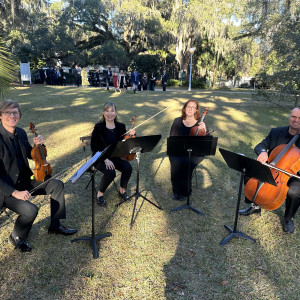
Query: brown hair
x=9 y=104
x=197 y=112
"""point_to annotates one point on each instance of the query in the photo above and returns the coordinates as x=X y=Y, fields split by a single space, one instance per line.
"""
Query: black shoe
x=123 y=196
x=178 y=197
x=20 y=243
x=288 y=226
x=101 y=201
x=61 y=230
x=250 y=210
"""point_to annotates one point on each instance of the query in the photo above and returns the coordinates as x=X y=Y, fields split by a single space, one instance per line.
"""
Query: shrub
x=196 y=83
x=174 y=82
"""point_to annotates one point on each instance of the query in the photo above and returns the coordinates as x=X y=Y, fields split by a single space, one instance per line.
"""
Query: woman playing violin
x=278 y=136
x=16 y=179
x=109 y=132
x=179 y=164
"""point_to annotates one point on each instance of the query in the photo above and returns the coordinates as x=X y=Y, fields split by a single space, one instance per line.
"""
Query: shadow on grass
x=165 y=255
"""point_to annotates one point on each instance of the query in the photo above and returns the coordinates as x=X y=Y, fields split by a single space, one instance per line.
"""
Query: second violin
x=130 y=136
x=196 y=130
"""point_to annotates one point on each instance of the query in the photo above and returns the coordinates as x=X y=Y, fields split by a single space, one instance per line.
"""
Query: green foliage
x=196 y=83
x=7 y=70
x=146 y=63
x=231 y=37
x=174 y=82
x=110 y=53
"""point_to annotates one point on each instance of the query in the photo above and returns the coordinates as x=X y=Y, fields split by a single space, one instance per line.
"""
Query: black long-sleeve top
x=101 y=137
x=277 y=136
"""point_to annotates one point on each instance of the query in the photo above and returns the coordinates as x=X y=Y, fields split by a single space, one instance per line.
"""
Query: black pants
x=179 y=173
x=292 y=201
x=27 y=211
x=108 y=175
x=164 y=87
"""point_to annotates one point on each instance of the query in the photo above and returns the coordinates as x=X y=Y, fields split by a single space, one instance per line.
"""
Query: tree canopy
x=231 y=37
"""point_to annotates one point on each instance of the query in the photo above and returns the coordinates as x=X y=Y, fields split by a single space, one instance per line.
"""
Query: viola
x=43 y=169
x=196 y=130
x=130 y=136
x=284 y=160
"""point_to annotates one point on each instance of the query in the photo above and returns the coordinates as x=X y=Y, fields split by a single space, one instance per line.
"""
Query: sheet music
x=86 y=166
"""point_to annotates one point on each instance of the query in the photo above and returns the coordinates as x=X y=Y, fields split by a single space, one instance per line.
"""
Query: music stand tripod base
x=188 y=206
x=137 y=145
x=250 y=168
x=235 y=233
x=89 y=166
x=92 y=241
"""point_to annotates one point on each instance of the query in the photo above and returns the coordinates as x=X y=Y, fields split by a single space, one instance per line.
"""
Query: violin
x=284 y=160
x=196 y=130
x=43 y=169
x=130 y=136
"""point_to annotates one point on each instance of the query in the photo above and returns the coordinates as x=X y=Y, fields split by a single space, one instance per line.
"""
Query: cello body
x=271 y=197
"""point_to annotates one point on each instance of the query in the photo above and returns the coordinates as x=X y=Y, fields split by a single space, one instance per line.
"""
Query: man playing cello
x=278 y=136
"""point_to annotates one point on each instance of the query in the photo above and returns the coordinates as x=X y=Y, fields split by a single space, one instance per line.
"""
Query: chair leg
x=6 y=213
x=196 y=178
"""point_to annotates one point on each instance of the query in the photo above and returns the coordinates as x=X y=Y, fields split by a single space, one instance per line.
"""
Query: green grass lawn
x=166 y=255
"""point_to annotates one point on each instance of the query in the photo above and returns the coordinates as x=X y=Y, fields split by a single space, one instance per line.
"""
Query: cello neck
x=285 y=150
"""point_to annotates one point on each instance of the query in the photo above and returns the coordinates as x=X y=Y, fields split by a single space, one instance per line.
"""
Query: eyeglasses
x=9 y=113
x=295 y=118
x=191 y=107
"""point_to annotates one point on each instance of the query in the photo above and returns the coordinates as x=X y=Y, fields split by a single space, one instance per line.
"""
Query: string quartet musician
x=16 y=180
x=190 y=114
x=278 y=136
x=108 y=131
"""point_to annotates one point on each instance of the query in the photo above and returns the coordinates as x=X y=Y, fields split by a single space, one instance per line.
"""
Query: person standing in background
x=164 y=80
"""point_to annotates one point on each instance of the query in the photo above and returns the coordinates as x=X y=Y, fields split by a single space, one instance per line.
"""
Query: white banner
x=25 y=72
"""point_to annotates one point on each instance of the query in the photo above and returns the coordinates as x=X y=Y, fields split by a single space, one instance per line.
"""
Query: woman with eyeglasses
x=109 y=132
x=181 y=126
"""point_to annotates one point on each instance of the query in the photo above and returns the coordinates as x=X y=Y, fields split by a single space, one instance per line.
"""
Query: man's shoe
x=250 y=210
x=123 y=196
x=101 y=201
x=178 y=197
x=61 y=230
x=20 y=243
x=288 y=226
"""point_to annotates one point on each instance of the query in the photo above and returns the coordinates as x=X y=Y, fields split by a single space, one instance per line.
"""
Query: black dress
x=179 y=164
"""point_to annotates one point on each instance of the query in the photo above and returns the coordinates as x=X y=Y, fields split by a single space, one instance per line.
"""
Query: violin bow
x=144 y=121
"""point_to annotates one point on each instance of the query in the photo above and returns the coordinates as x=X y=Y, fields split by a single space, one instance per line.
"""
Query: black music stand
x=191 y=146
x=136 y=145
x=251 y=168
x=89 y=167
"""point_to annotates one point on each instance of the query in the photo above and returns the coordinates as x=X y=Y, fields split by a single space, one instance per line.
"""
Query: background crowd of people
x=120 y=80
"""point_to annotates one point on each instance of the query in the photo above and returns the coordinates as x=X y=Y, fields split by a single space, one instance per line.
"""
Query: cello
x=43 y=169
x=284 y=160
